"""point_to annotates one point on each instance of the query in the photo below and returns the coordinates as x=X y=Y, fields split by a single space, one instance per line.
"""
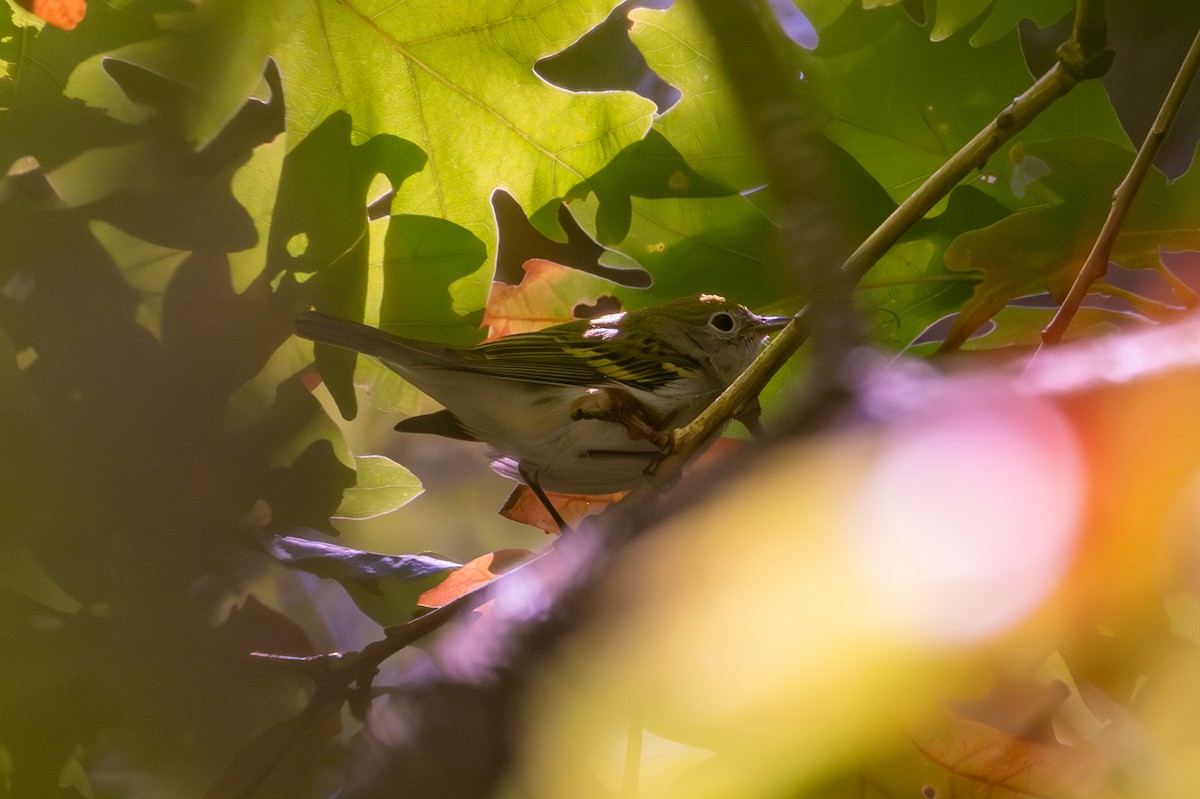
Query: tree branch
x=475 y=752
x=1083 y=56
x=1097 y=261
x=340 y=677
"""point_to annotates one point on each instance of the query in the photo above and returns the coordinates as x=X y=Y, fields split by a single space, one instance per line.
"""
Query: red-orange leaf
x=471 y=575
x=1002 y=764
x=546 y=296
x=523 y=506
x=65 y=14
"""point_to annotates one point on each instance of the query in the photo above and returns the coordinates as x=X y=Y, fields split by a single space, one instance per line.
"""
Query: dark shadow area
x=606 y=60
x=134 y=482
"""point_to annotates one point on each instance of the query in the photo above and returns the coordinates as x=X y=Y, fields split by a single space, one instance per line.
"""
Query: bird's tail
x=362 y=338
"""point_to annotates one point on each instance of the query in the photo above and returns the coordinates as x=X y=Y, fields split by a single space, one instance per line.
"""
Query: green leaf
x=1045 y=247
x=35 y=117
x=254 y=187
x=911 y=288
x=651 y=169
x=214 y=53
x=385 y=587
x=705 y=126
x=382 y=486
x=430 y=266
x=954 y=15
x=320 y=225
x=458 y=79
x=721 y=245
x=423 y=260
x=1006 y=14
x=901 y=105
x=147 y=267
x=823 y=13
x=697 y=148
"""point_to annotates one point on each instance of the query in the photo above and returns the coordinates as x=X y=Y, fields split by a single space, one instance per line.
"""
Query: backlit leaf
x=1044 y=248
x=547 y=295
x=471 y=575
x=382 y=486
x=458 y=80
x=987 y=759
x=385 y=587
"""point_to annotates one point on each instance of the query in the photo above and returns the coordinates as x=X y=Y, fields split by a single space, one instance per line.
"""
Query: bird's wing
x=562 y=355
x=559 y=356
x=555 y=356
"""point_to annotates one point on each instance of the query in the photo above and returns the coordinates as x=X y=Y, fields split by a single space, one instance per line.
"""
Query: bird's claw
x=610 y=404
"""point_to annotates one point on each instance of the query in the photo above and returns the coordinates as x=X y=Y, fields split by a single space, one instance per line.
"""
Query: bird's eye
x=721 y=321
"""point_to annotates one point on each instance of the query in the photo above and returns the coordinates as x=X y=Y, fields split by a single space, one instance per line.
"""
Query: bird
x=584 y=407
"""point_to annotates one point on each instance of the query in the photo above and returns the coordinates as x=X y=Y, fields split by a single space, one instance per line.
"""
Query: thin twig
x=338 y=670
x=687 y=440
x=1085 y=52
x=1151 y=309
x=587 y=555
x=1083 y=56
x=339 y=675
x=1076 y=62
x=1182 y=290
x=1097 y=261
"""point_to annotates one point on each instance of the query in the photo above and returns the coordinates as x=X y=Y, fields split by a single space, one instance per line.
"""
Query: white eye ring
x=722 y=322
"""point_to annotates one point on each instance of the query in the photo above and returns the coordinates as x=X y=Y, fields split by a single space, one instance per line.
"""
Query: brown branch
x=687 y=440
x=1097 y=261
x=807 y=189
x=1083 y=56
x=513 y=640
x=1086 y=53
x=340 y=677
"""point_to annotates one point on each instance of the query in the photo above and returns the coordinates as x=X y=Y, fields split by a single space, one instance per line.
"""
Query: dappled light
x=779 y=399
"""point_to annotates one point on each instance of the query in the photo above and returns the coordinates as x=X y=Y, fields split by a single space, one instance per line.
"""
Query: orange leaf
x=472 y=574
x=547 y=295
x=64 y=14
x=523 y=506
x=996 y=761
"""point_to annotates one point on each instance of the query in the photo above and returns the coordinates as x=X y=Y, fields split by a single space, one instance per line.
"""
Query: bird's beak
x=769 y=324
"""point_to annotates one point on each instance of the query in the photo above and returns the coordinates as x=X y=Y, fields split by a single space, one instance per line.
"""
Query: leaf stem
x=1097 y=261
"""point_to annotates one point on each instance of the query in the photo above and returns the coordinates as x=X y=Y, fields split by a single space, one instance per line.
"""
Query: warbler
x=578 y=408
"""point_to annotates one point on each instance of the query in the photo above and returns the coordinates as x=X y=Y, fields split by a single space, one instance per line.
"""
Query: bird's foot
x=611 y=404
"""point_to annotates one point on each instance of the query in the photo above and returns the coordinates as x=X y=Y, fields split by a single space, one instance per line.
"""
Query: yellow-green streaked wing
x=561 y=355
